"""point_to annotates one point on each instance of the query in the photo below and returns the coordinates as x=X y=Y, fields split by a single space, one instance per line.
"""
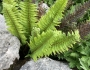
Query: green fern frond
x=52 y=42
x=12 y=21
x=49 y=20
x=28 y=15
x=9 y=1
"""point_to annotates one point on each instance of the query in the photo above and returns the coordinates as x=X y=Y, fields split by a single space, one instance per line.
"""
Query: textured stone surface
x=2 y=23
x=45 y=64
x=9 y=49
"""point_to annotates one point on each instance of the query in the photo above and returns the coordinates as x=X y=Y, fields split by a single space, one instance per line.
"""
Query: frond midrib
x=52 y=19
x=29 y=19
x=43 y=43
x=13 y=24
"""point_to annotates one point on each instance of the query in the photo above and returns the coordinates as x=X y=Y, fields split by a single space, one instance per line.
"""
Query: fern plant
x=41 y=35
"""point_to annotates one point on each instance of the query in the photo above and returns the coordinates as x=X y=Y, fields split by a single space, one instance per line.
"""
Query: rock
x=45 y=64
x=2 y=23
x=9 y=49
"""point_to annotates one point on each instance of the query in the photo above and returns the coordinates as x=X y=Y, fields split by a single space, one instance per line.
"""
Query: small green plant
x=41 y=36
x=79 y=55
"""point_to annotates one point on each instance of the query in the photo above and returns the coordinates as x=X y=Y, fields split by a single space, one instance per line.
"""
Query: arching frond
x=49 y=20
x=52 y=42
x=28 y=15
x=12 y=21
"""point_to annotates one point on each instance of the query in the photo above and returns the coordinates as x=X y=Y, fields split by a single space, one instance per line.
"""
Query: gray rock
x=2 y=23
x=9 y=49
x=45 y=64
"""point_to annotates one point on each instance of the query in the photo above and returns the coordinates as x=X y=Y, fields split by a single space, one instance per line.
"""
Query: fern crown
x=42 y=36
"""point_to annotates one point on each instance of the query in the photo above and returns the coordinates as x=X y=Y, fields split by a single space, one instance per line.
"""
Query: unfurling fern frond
x=52 y=42
x=28 y=15
x=49 y=20
x=12 y=21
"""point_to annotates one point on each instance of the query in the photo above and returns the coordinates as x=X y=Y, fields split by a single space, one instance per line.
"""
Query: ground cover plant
x=79 y=56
